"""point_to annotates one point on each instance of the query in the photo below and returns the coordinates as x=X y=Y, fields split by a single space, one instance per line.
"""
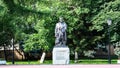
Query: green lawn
x=82 y=61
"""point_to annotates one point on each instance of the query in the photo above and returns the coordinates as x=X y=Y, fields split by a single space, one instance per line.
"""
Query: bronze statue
x=60 y=33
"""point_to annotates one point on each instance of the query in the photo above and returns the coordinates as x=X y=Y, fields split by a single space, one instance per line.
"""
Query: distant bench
x=2 y=62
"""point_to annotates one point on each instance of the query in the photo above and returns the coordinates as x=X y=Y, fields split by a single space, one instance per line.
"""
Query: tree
x=108 y=10
x=34 y=21
x=6 y=27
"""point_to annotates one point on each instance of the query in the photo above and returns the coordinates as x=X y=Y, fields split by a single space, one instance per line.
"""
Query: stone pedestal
x=61 y=55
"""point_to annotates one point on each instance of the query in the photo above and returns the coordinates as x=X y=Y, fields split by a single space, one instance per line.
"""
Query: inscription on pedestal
x=60 y=55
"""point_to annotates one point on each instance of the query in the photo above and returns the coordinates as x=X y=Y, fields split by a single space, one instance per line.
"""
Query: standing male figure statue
x=60 y=33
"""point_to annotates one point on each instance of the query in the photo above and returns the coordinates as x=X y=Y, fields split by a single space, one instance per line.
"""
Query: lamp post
x=109 y=48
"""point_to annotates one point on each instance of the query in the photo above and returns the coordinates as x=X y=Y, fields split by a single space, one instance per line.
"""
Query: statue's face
x=61 y=19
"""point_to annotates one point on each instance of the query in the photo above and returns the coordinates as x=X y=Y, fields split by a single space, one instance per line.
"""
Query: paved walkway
x=63 y=66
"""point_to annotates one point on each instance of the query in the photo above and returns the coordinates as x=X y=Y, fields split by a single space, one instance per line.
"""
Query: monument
x=60 y=50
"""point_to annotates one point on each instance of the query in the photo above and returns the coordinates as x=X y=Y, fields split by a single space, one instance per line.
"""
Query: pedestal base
x=61 y=55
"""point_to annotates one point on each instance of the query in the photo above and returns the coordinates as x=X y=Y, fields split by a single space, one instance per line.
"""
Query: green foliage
x=117 y=49
x=33 y=21
x=108 y=10
x=89 y=53
x=6 y=25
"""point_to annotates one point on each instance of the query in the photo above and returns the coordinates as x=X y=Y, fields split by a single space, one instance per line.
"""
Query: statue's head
x=61 y=19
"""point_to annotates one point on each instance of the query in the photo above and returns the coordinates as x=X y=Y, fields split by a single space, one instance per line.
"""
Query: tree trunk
x=5 y=52
x=76 y=56
x=42 y=57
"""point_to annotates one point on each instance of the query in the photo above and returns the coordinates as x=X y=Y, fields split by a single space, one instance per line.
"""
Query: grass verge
x=82 y=61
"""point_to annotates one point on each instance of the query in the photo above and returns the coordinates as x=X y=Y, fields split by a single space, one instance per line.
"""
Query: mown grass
x=96 y=61
x=82 y=61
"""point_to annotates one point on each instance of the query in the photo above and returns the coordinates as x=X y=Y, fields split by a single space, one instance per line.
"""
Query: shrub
x=117 y=49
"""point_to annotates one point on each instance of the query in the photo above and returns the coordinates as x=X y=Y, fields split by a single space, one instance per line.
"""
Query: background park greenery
x=31 y=23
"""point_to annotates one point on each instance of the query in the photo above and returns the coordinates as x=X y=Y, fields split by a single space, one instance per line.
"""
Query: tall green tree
x=33 y=21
